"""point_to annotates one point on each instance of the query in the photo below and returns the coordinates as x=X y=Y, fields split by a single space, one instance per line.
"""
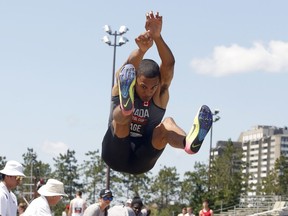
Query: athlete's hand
x=144 y=41
x=153 y=24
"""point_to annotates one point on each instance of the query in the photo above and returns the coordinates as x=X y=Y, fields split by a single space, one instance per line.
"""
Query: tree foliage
x=93 y=171
x=276 y=182
x=136 y=185
x=165 y=186
x=164 y=192
x=226 y=180
x=34 y=170
x=67 y=172
x=281 y=167
x=2 y=164
x=194 y=186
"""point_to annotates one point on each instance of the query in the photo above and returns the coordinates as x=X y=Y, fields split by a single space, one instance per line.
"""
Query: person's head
x=147 y=79
x=40 y=183
x=189 y=210
x=53 y=190
x=105 y=197
x=137 y=205
x=12 y=174
x=205 y=203
x=79 y=194
x=128 y=202
x=184 y=210
x=22 y=207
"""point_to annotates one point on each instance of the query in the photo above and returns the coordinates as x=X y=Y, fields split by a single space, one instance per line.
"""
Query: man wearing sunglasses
x=100 y=208
x=12 y=175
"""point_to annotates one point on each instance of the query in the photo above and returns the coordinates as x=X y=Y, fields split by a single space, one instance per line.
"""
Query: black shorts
x=129 y=154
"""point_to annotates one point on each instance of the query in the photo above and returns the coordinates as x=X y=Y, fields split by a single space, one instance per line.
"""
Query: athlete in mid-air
x=137 y=135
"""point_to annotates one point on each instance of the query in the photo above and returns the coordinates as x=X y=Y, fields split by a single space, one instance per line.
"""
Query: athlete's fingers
x=157 y=14
x=151 y=14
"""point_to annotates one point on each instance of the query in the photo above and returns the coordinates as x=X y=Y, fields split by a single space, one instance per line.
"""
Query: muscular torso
x=146 y=116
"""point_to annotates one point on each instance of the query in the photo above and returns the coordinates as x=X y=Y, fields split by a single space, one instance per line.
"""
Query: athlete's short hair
x=149 y=69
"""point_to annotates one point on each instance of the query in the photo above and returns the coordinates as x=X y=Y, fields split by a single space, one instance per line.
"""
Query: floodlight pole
x=215 y=118
x=115 y=34
x=114 y=59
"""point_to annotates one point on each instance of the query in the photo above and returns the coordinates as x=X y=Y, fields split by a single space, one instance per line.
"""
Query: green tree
x=226 y=176
x=276 y=182
x=136 y=185
x=281 y=168
x=165 y=187
x=34 y=170
x=2 y=164
x=67 y=172
x=3 y=161
x=194 y=186
x=270 y=184
x=94 y=171
x=34 y=167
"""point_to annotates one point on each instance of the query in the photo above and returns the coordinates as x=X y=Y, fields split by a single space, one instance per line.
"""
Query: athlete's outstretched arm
x=154 y=26
x=144 y=42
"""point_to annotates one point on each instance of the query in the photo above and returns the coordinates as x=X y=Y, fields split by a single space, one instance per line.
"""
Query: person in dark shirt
x=137 y=133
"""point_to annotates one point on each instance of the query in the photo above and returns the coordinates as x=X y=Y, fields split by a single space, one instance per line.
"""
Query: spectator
x=137 y=206
x=50 y=194
x=100 y=208
x=189 y=212
x=184 y=211
x=206 y=211
x=77 y=205
x=21 y=208
x=128 y=203
x=12 y=175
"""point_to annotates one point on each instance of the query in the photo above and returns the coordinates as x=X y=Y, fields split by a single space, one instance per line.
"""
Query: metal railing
x=254 y=205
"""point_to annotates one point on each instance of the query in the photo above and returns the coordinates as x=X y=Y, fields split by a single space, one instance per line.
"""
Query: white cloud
x=272 y=58
x=54 y=148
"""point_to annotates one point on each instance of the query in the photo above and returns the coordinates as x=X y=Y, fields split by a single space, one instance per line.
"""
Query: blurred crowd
x=52 y=192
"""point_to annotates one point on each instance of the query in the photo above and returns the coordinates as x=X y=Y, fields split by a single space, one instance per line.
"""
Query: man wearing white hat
x=12 y=175
x=51 y=193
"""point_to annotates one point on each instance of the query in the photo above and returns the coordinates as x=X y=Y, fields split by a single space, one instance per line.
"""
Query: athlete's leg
x=121 y=123
x=122 y=114
x=169 y=132
x=116 y=152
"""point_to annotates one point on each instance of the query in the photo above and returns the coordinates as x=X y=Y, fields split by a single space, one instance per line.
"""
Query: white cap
x=13 y=168
x=53 y=187
x=129 y=201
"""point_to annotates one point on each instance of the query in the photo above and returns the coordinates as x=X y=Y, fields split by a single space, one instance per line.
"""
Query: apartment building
x=262 y=145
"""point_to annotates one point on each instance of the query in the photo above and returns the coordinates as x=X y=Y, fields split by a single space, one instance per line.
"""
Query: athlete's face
x=146 y=87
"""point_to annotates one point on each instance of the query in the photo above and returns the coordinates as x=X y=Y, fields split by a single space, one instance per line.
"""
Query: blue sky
x=55 y=72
